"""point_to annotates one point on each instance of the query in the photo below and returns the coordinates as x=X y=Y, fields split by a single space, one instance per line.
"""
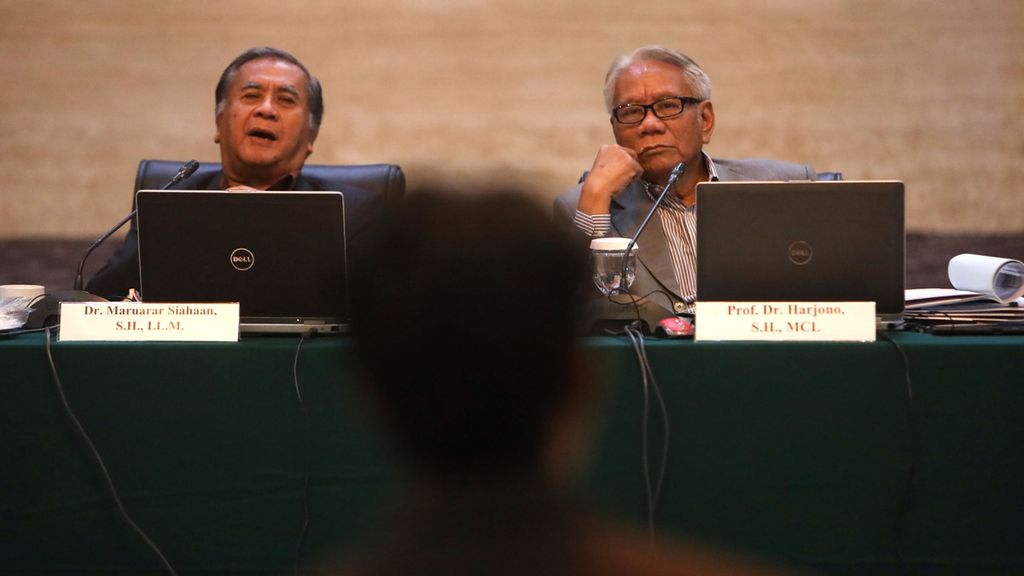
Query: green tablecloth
x=809 y=452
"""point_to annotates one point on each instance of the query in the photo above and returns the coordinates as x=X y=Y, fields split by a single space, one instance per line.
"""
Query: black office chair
x=385 y=181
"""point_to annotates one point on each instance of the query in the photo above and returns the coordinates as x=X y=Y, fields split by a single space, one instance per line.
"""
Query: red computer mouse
x=674 y=327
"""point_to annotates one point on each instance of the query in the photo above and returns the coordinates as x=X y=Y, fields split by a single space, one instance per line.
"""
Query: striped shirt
x=680 y=225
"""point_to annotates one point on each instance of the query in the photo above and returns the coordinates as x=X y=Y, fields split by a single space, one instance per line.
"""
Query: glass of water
x=609 y=259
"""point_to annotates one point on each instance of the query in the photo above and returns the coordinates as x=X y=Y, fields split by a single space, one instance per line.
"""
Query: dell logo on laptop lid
x=242 y=259
x=800 y=252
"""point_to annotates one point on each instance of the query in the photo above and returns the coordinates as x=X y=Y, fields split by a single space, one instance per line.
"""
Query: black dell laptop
x=802 y=241
x=280 y=255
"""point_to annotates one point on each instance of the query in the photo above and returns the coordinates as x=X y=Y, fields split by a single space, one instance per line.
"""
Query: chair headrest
x=386 y=180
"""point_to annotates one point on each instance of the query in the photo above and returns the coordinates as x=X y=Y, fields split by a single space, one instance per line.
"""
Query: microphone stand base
x=612 y=314
x=46 y=311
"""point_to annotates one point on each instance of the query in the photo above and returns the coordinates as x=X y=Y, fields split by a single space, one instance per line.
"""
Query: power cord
x=906 y=365
x=649 y=383
x=19 y=332
x=915 y=443
x=636 y=302
x=99 y=460
x=306 y=456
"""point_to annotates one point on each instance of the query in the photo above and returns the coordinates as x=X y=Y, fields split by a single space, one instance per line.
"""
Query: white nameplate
x=135 y=321
x=779 y=321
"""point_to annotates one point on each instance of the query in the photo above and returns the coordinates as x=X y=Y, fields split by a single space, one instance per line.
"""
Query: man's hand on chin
x=614 y=168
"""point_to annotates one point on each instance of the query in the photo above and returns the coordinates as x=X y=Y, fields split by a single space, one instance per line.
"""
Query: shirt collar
x=712 y=171
x=653 y=190
x=285 y=184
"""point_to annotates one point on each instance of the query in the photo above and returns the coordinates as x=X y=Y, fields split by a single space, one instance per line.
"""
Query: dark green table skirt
x=815 y=454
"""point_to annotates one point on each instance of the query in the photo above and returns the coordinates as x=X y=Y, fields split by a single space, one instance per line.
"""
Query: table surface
x=846 y=457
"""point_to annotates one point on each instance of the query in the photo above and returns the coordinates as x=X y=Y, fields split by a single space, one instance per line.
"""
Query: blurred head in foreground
x=465 y=310
x=464 y=314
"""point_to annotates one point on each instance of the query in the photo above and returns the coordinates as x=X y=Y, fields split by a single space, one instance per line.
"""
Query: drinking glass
x=609 y=259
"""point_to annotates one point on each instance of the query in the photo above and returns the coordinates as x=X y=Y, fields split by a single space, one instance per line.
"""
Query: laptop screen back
x=801 y=241
x=280 y=255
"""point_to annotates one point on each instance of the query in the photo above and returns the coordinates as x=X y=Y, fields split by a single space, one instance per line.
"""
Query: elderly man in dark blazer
x=661 y=115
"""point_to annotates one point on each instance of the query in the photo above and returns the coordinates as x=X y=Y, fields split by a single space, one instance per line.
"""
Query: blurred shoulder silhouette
x=465 y=308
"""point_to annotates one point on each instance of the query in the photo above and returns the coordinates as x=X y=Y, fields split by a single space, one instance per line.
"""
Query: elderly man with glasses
x=661 y=114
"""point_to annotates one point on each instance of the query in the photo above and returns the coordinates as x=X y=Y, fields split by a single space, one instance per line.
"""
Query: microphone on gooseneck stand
x=676 y=173
x=46 y=311
x=185 y=171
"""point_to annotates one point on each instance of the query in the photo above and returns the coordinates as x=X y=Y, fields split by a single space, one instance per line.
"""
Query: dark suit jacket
x=121 y=272
x=629 y=208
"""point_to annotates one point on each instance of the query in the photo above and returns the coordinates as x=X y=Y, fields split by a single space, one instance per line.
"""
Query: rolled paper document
x=1000 y=278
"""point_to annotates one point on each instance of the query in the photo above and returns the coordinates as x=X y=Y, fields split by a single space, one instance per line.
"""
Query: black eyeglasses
x=664 y=108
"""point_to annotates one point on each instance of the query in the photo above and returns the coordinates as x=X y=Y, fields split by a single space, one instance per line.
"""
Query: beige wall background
x=929 y=92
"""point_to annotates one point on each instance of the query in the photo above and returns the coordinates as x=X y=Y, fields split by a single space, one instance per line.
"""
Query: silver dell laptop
x=280 y=255
x=802 y=241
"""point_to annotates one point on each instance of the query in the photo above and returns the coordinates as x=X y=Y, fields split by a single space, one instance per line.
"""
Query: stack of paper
x=938 y=307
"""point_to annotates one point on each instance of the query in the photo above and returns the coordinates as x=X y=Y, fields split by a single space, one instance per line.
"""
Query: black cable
x=615 y=291
x=915 y=443
x=906 y=366
x=664 y=420
x=306 y=456
x=99 y=460
x=649 y=382
x=634 y=301
x=13 y=333
x=668 y=297
x=636 y=304
x=643 y=441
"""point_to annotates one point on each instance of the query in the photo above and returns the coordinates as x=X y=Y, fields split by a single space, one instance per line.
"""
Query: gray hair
x=695 y=77
x=315 y=92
